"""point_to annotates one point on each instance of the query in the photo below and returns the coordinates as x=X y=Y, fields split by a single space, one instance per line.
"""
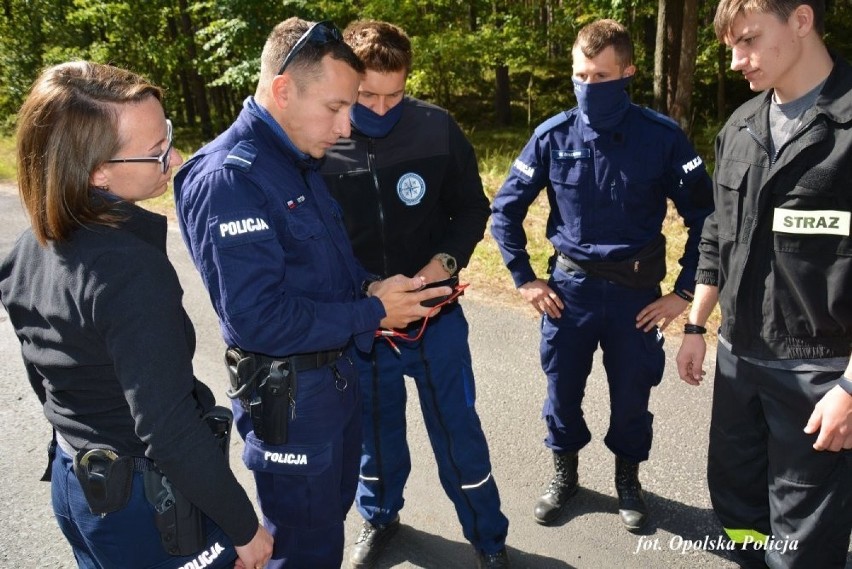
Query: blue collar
x=255 y=108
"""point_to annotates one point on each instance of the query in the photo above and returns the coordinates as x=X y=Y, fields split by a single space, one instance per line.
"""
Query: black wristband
x=683 y=294
x=694 y=329
x=845 y=384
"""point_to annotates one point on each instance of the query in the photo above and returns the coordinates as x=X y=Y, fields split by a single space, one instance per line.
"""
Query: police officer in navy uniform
x=292 y=301
x=408 y=182
x=608 y=166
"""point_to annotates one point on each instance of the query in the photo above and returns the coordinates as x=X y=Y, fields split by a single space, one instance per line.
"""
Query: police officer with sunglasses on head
x=293 y=304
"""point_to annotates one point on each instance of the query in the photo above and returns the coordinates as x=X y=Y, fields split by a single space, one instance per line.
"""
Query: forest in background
x=493 y=63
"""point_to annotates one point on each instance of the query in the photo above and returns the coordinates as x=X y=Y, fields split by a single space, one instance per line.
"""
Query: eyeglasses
x=164 y=159
x=320 y=33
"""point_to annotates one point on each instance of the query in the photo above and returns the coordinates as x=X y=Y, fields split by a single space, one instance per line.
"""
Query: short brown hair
x=383 y=47
x=67 y=127
x=307 y=65
x=728 y=10
x=601 y=34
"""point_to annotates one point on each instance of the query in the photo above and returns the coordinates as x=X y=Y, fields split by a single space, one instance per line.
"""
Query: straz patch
x=411 y=188
x=825 y=221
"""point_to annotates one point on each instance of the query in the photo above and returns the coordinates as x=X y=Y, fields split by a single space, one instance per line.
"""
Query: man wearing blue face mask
x=408 y=182
x=608 y=166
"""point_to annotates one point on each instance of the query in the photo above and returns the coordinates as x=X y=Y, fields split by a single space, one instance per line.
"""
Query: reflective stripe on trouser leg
x=385 y=459
x=445 y=384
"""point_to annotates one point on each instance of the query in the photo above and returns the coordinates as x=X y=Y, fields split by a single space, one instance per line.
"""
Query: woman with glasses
x=138 y=474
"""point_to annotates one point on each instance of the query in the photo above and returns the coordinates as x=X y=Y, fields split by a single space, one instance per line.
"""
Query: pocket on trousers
x=287 y=460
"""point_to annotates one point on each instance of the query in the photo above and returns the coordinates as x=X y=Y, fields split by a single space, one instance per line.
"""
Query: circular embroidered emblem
x=411 y=188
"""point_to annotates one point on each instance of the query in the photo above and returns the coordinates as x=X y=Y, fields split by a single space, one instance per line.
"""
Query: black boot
x=563 y=486
x=631 y=502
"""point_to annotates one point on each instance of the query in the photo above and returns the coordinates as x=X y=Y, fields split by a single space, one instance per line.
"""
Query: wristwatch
x=448 y=262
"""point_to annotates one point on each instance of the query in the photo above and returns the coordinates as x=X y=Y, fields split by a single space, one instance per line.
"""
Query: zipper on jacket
x=371 y=165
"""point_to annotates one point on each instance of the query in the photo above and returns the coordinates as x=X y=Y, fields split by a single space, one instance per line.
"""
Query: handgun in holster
x=179 y=521
x=266 y=389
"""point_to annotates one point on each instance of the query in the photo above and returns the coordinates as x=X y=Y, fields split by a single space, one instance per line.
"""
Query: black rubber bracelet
x=845 y=384
x=683 y=294
x=694 y=329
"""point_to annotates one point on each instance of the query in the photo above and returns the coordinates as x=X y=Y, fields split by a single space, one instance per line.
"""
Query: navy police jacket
x=270 y=244
x=607 y=190
x=411 y=194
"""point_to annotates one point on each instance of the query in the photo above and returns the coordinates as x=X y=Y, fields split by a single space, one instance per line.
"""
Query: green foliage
x=206 y=53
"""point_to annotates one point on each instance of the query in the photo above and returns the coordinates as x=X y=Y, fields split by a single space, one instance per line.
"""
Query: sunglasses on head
x=320 y=33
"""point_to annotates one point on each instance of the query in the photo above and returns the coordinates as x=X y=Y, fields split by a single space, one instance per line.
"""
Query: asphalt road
x=510 y=390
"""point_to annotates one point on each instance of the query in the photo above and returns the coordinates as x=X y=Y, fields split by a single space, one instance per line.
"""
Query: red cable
x=387 y=334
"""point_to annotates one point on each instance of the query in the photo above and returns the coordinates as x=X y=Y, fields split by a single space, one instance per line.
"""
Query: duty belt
x=313 y=360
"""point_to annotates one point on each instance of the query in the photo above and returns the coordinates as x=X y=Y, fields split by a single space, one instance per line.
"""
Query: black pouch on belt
x=220 y=419
x=645 y=269
x=276 y=396
x=179 y=521
x=105 y=478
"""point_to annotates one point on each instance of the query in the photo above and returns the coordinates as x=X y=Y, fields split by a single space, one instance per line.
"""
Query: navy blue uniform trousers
x=306 y=486
x=440 y=364
x=600 y=312
x=128 y=537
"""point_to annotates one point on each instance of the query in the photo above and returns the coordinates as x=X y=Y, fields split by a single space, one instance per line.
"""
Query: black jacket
x=409 y=195
x=108 y=349
x=785 y=291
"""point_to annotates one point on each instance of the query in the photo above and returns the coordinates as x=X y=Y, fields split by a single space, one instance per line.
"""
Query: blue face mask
x=603 y=105
x=369 y=123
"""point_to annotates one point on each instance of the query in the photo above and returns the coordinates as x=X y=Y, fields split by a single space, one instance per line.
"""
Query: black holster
x=179 y=521
x=266 y=388
x=105 y=478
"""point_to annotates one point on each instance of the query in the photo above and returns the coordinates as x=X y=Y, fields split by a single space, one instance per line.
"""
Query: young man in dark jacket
x=777 y=256
x=409 y=185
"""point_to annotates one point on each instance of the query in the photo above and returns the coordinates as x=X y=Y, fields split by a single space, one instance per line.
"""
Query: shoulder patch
x=241 y=156
x=239 y=227
x=659 y=118
x=552 y=123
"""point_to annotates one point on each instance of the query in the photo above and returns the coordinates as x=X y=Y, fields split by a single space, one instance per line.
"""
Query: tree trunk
x=674 y=38
x=660 y=94
x=196 y=83
x=682 y=107
x=502 y=96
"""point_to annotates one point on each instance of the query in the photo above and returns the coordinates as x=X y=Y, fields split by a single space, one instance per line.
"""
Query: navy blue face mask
x=371 y=124
x=603 y=105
